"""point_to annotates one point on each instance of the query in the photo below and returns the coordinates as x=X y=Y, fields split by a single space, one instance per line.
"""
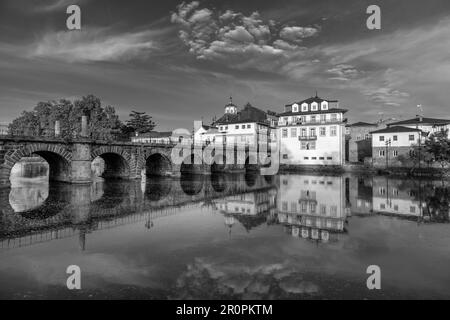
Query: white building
x=395 y=145
x=427 y=125
x=248 y=126
x=4 y=129
x=312 y=132
x=154 y=137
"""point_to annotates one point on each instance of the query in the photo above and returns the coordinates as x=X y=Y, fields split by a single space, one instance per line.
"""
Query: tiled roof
x=422 y=121
x=363 y=124
x=396 y=129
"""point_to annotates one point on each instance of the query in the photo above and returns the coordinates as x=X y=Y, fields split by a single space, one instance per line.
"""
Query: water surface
x=226 y=237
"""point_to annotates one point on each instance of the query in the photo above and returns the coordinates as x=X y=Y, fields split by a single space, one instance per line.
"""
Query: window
x=329 y=158
x=313 y=118
x=323 y=117
x=295 y=108
x=333 y=131
x=412 y=209
x=284 y=133
x=411 y=137
x=321 y=158
x=236 y=127
x=303 y=132
x=314 y=106
x=306 y=158
x=367 y=136
x=395 y=153
x=382 y=153
x=304 y=107
x=314 y=158
x=243 y=126
x=249 y=126
x=220 y=128
x=382 y=191
x=382 y=206
x=358 y=137
x=395 y=138
x=285 y=156
x=334 y=117
x=226 y=127
x=312 y=132
x=285 y=206
x=412 y=153
x=323 y=131
x=293 y=132
x=381 y=138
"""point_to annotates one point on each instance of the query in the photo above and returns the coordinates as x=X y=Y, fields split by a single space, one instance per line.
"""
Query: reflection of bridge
x=72 y=210
x=70 y=161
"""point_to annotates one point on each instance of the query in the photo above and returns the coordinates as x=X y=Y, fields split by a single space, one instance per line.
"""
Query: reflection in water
x=312 y=207
x=192 y=184
x=224 y=236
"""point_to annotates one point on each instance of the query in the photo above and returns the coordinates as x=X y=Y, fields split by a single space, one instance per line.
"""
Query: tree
x=139 y=122
x=103 y=121
x=438 y=146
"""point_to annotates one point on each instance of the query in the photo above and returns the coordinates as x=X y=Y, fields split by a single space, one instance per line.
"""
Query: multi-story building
x=249 y=126
x=4 y=129
x=312 y=132
x=427 y=125
x=395 y=146
x=161 y=137
x=359 y=141
x=312 y=206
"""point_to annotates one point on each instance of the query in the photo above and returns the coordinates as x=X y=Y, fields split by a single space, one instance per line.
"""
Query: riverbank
x=369 y=170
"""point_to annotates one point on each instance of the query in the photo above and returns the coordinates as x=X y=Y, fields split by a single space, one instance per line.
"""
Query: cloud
x=237 y=40
x=93 y=45
x=343 y=72
x=297 y=34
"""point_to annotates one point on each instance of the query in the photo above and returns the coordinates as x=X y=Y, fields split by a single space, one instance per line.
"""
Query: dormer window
x=324 y=105
x=304 y=107
x=314 y=106
x=295 y=107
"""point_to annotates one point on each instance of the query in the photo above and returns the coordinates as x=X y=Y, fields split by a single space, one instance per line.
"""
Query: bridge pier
x=81 y=164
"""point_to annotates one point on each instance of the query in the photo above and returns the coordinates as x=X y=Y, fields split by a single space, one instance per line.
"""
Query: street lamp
x=388 y=144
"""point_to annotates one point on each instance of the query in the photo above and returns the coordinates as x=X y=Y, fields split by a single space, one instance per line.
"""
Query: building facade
x=312 y=132
x=395 y=146
x=427 y=125
x=4 y=129
x=359 y=141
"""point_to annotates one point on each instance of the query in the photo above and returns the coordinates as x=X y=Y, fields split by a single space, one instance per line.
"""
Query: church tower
x=230 y=108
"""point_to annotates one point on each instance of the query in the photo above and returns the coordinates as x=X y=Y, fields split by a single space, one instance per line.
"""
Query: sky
x=181 y=61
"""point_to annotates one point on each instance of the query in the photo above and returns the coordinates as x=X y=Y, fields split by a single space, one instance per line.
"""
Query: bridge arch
x=58 y=158
x=117 y=162
x=158 y=164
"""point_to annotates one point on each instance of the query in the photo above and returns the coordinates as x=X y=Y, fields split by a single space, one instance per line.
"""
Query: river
x=226 y=237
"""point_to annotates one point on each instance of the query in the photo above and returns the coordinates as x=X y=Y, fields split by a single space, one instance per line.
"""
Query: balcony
x=307 y=138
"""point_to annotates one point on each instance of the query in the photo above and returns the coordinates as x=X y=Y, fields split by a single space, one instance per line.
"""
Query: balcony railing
x=307 y=138
x=317 y=122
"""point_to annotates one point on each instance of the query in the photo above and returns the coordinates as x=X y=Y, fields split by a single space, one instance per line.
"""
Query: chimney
x=84 y=126
x=57 y=128
x=419 y=117
x=197 y=125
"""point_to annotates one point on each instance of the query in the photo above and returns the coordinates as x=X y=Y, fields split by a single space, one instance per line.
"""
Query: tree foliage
x=140 y=122
x=438 y=146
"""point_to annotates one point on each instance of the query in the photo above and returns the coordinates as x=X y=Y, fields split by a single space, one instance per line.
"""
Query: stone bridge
x=70 y=161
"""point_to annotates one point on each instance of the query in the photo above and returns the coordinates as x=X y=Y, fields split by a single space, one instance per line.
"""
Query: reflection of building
x=396 y=197
x=359 y=141
x=312 y=132
x=360 y=195
x=251 y=209
x=312 y=207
